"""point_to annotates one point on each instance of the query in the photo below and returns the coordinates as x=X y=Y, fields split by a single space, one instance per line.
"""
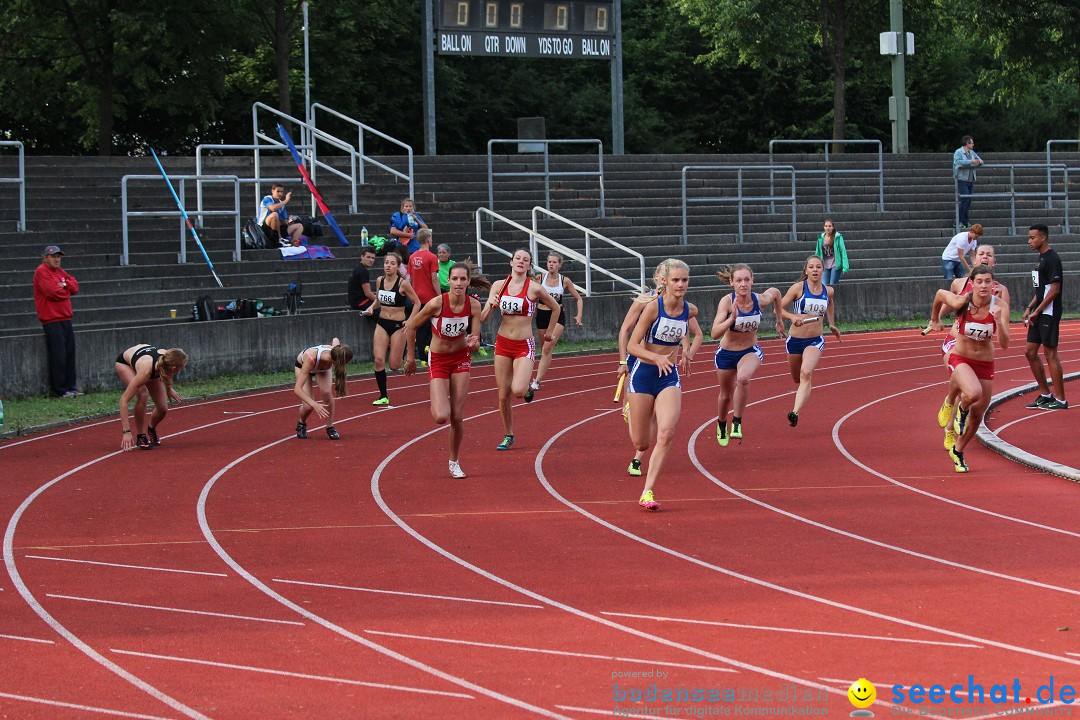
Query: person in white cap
x=53 y=288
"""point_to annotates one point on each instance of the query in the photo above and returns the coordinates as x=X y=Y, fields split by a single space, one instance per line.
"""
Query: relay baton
x=619 y=388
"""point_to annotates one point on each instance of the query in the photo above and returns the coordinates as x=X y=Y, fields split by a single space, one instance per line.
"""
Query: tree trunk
x=105 y=106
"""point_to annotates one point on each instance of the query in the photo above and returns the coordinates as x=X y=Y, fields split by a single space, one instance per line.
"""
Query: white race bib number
x=746 y=323
x=510 y=305
x=387 y=297
x=453 y=327
x=979 y=331
x=815 y=306
x=670 y=331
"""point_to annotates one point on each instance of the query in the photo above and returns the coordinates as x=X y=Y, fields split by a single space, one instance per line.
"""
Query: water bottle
x=363 y=236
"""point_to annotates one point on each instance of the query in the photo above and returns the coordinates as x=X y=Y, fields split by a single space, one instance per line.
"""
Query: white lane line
x=853 y=636
x=60 y=629
x=26 y=639
x=287 y=673
x=121 y=565
x=84 y=708
x=228 y=559
x=175 y=610
x=543 y=651
x=758 y=581
x=408 y=594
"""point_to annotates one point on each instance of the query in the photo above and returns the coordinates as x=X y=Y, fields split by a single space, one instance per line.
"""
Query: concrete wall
x=268 y=344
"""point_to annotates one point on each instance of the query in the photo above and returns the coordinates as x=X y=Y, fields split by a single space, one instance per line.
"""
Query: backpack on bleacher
x=203 y=309
x=247 y=309
x=254 y=237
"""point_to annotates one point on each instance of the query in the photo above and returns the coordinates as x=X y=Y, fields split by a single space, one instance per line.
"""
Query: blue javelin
x=186 y=218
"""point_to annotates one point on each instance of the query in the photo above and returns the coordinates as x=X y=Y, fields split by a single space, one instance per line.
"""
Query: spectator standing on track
x=738 y=356
x=274 y=218
x=515 y=349
x=424 y=277
x=954 y=262
x=53 y=288
x=830 y=248
x=979 y=317
x=811 y=303
x=1042 y=316
x=557 y=285
x=313 y=366
x=655 y=387
x=449 y=315
x=404 y=225
x=985 y=255
x=388 y=312
x=964 y=162
x=361 y=296
x=147 y=372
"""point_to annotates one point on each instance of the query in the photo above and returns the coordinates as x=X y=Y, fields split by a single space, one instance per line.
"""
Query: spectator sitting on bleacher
x=404 y=225
x=273 y=217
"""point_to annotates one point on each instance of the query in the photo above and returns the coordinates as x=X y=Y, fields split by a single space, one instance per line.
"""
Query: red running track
x=237 y=572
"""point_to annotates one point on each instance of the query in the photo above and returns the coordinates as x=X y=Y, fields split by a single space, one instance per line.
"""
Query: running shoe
x=958 y=460
x=1055 y=404
x=301 y=430
x=152 y=433
x=736 y=429
x=721 y=433
x=960 y=421
x=647 y=501
x=944 y=415
x=482 y=351
x=529 y=395
x=635 y=468
x=455 y=470
x=534 y=385
x=381 y=401
x=142 y=442
x=71 y=395
x=950 y=438
x=1040 y=402
x=507 y=441
x=626 y=413
x=332 y=433
x=422 y=363
x=793 y=418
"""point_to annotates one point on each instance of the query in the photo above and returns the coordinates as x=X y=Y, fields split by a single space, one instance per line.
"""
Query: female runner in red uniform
x=147 y=371
x=450 y=314
x=979 y=317
x=313 y=365
x=515 y=349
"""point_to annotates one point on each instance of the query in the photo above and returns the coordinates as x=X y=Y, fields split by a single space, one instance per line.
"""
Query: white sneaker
x=534 y=385
x=455 y=470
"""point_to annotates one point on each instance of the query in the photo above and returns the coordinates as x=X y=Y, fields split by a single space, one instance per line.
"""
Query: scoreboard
x=576 y=29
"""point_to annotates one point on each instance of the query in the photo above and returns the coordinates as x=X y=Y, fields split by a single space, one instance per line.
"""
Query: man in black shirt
x=1042 y=317
x=360 y=293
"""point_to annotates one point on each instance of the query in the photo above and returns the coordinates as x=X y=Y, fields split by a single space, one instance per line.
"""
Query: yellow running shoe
x=944 y=415
x=736 y=430
x=958 y=461
x=721 y=434
x=635 y=468
x=648 y=502
x=950 y=438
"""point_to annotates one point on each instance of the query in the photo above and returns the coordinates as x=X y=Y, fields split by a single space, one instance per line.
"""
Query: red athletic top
x=981 y=329
x=449 y=324
x=519 y=304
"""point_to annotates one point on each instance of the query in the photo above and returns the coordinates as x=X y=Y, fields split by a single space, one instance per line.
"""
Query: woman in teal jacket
x=831 y=250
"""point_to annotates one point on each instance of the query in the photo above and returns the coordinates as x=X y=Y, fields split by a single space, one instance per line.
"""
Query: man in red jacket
x=53 y=288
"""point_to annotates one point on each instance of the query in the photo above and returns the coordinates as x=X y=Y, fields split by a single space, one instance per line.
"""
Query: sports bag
x=203 y=309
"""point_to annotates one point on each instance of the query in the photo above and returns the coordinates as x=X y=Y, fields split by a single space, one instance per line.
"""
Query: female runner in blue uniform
x=812 y=303
x=314 y=365
x=979 y=317
x=147 y=372
x=738 y=356
x=654 y=385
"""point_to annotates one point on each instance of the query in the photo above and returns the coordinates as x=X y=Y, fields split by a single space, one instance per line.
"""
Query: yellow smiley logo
x=862 y=693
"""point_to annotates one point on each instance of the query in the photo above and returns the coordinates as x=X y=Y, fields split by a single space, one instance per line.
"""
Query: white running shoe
x=455 y=470
x=534 y=385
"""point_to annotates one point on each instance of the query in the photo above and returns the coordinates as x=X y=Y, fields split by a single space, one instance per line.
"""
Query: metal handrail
x=361 y=127
x=256 y=180
x=312 y=155
x=1013 y=194
x=21 y=180
x=1049 y=201
x=771 y=198
x=175 y=212
x=586 y=259
x=827 y=172
x=547 y=173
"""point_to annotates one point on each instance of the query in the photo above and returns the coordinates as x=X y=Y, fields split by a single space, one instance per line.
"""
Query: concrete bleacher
x=75 y=202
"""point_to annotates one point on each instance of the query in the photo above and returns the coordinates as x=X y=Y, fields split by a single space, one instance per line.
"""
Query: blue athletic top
x=811 y=304
x=668 y=330
x=746 y=321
